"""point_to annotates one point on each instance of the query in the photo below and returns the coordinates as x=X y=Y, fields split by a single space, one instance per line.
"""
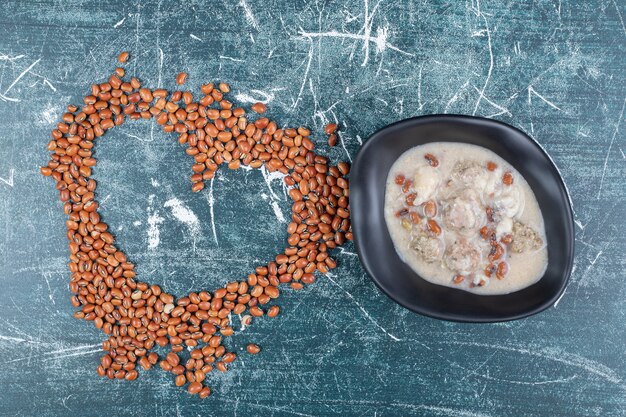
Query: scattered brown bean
x=330 y=128
x=507 y=178
x=181 y=78
x=123 y=57
x=253 y=349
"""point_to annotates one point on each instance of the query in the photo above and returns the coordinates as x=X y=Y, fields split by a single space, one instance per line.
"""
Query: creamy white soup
x=461 y=216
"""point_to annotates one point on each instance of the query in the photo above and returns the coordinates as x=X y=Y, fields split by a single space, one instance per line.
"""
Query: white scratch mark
x=419 y=89
x=558 y=300
x=566 y=358
x=380 y=40
x=183 y=214
x=211 y=201
x=268 y=177
x=370 y=318
x=45 y=276
x=49 y=84
x=531 y=90
x=245 y=98
x=345 y=252
x=503 y=110
x=591 y=265
x=81 y=347
x=343 y=145
x=306 y=74
x=161 y=57
x=19 y=77
x=277 y=211
x=9 y=181
x=455 y=97
x=64 y=400
x=192 y=36
x=482 y=91
x=5 y=98
x=249 y=16
x=154 y=234
x=4 y=57
x=55 y=353
x=273 y=410
x=230 y=58
x=17 y=339
x=619 y=14
x=130 y=135
x=120 y=23
x=608 y=152
x=87 y=352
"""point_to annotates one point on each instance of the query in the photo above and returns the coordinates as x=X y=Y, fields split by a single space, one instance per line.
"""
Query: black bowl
x=396 y=279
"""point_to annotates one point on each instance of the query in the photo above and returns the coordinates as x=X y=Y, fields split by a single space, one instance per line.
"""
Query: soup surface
x=461 y=216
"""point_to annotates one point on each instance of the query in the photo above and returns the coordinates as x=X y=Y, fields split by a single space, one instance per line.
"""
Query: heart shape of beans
x=135 y=315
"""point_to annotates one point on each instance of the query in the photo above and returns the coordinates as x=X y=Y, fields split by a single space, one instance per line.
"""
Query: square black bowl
x=396 y=279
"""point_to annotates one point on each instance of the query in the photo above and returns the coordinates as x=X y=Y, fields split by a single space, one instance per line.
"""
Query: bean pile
x=138 y=316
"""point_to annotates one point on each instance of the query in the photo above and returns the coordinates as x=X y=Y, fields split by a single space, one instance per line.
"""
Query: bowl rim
x=569 y=214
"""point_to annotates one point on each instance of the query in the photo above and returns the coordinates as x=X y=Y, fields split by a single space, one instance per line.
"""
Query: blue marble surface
x=553 y=68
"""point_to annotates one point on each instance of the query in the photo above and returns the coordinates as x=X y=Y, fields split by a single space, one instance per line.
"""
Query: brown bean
x=430 y=208
x=259 y=108
x=181 y=78
x=194 y=388
x=123 y=57
x=330 y=128
x=434 y=227
x=256 y=312
x=273 y=311
x=172 y=358
x=180 y=380
x=205 y=392
x=432 y=159
x=253 y=349
x=502 y=270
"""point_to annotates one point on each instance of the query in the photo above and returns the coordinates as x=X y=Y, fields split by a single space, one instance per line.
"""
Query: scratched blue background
x=554 y=68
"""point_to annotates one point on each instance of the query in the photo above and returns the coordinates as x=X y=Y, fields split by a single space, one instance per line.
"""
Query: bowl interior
x=397 y=279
